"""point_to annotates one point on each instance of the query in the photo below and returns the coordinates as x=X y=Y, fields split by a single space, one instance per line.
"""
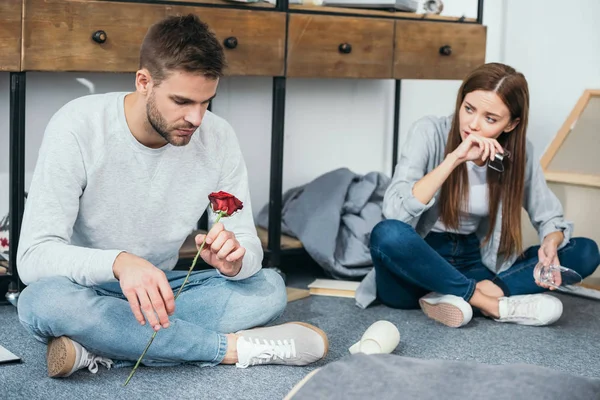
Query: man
x=120 y=181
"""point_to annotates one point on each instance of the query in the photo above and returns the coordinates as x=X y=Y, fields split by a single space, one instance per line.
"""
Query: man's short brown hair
x=182 y=43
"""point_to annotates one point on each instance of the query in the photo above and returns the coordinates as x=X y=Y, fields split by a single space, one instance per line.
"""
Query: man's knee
x=45 y=300
x=275 y=286
x=36 y=298
x=255 y=301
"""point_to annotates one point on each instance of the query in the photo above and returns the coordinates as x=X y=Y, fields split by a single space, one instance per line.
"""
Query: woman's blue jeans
x=408 y=266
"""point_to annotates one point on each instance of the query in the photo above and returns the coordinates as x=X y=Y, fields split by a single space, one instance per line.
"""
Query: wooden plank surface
x=314 y=47
x=592 y=283
x=10 y=35
x=418 y=43
x=376 y=13
x=58 y=35
x=565 y=129
x=578 y=152
x=573 y=178
x=259 y=4
x=294 y=294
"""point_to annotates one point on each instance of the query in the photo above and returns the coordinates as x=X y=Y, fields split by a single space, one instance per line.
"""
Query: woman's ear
x=513 y=124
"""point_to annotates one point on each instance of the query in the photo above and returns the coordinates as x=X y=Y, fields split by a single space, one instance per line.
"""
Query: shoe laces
x=91 y=361
x=522 y=308
x=261 y=351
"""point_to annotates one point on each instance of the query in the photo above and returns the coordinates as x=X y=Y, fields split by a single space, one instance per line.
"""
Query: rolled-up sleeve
x=399 y=202
x=544 y=209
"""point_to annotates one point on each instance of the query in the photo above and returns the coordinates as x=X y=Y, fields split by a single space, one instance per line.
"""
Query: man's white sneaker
x=448 y=309
x=531 y=309
x=293 y=343
x=65 y=356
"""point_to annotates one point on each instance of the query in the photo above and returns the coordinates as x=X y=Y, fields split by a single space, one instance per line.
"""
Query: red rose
x=4 y=242
x=225 y=203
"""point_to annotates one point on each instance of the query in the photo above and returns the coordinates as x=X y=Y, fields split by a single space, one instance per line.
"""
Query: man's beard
x=158 y=123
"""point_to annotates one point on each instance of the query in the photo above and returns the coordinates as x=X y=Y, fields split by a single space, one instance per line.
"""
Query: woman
x=452 y=237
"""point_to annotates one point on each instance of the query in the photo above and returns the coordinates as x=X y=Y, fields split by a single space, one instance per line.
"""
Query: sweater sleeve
x=51 y=209
x=399 y=201
x=234 y=180
x=543 y=207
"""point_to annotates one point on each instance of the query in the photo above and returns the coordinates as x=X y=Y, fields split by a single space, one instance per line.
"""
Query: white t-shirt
x=478 y=206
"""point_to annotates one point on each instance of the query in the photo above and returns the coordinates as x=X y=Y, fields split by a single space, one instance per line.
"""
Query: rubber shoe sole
x=320 y=332
x=447 y=310
x=60 y=357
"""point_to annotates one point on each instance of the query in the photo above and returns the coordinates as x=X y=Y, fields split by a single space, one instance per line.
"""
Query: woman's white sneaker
x=532 y=309
x=450 y=310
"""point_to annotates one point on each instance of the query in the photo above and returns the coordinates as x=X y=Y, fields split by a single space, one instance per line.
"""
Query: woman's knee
x=588 y=254
x=391 y=242
x=391 y=233
x=398 y=302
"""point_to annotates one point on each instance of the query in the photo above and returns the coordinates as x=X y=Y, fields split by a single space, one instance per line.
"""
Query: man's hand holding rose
x=222 y=250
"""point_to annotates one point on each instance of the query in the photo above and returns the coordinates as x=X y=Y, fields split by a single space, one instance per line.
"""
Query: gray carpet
x=571 y=345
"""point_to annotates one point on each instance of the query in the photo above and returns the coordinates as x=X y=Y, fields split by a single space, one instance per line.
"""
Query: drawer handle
x=99 y=37
x=345 y=48
x=445 y=50
x=231 y=42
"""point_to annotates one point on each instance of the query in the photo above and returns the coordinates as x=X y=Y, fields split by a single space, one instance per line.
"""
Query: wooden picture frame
x=572 y=157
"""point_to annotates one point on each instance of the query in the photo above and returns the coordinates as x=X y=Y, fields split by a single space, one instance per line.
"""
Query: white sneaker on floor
x=293 y=343
x=450 y=310
x=65 y=356
x=531 y=309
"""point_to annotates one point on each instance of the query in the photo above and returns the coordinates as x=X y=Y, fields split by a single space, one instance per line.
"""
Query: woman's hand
x=477 y=147
x=548 y=255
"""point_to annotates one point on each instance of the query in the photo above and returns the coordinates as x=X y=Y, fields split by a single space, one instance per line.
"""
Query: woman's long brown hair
x=507 y=186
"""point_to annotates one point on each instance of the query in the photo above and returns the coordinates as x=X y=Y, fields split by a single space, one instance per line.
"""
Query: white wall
x=559 y=53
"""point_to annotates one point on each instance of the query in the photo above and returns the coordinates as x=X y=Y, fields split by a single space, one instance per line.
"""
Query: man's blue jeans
x=408 y=266
x=100 y=319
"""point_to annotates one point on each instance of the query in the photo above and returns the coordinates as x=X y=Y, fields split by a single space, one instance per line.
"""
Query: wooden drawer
x=10 y=35
x=339 y=47
x=437 y=50
x=58 y=35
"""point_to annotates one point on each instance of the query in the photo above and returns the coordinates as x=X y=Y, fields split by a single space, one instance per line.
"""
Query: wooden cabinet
x=437 y=50
x=64 y=35
x=105 y=36
x=339 y=47
x=10 y=35
x=254 y=41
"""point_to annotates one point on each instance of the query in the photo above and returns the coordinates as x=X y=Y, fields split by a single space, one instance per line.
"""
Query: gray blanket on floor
x=392 y=377
x=333 y=217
